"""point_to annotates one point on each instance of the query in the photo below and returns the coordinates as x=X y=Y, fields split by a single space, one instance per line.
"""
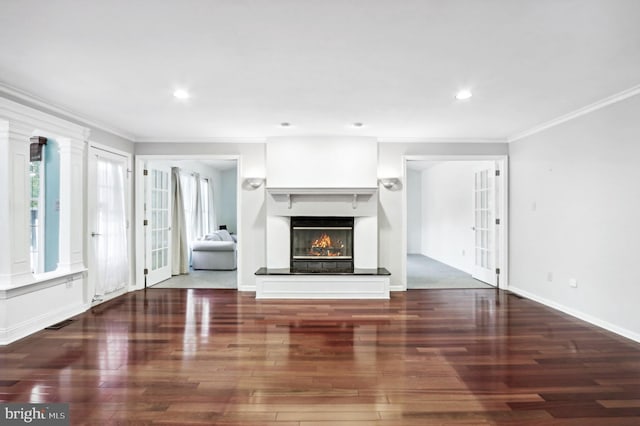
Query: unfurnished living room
x=299 y=212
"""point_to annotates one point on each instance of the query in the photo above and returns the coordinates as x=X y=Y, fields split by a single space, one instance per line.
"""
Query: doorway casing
x=140 y=161
x=502 y=204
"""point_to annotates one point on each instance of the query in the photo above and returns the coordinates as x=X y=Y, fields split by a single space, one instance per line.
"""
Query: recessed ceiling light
x=285 y=124
x=357 y=124
x=181 y=94
x=463 y=94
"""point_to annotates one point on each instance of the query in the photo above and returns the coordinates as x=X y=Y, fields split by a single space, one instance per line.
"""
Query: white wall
x=575 y=204
x=447 y=213
x=251 y=209
x=414 y=212
x=391 y=217
x=322 y=162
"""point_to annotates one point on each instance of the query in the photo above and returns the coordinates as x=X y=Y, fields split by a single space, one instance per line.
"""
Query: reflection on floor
x=202 y=279
x=424 y=273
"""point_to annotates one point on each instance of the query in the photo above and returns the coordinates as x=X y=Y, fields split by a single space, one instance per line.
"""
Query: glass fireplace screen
x=322 y=238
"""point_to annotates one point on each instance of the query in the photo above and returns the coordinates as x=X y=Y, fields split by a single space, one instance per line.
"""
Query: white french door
x=158 y=229
x=108 y=224
x=484 y=207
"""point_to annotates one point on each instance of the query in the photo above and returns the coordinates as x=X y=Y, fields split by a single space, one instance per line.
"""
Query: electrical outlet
x=573 y=282
x=464 y=253
x=550 y=276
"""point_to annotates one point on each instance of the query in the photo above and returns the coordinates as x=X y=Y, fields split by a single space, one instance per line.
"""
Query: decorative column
x=15 y=264
x=71 y=252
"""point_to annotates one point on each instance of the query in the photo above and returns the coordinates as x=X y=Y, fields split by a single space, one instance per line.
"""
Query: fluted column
x=15 y=265
x=71 y=204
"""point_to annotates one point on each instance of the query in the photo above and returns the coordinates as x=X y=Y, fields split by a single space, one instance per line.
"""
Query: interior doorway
x=455 y=222
x=178 y=232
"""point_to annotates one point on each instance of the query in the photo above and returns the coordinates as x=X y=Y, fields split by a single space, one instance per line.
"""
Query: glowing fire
x=323 y=246
x=323 y=242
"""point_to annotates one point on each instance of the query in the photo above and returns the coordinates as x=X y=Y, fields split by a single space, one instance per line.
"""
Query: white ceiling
x=320 y=64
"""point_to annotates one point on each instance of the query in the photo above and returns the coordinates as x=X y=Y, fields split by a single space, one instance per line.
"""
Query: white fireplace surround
x=359 y=203
x=322 y=176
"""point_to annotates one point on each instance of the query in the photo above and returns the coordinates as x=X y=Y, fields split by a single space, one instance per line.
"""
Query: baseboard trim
x=248 y=288
x=578 y=314
x=33 y=325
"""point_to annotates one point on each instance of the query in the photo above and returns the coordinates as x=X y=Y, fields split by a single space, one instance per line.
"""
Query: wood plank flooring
x=169 y=356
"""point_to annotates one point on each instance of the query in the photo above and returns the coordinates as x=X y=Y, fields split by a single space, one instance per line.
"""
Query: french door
x=158 y=224
x=108 y=225
x=484 y=207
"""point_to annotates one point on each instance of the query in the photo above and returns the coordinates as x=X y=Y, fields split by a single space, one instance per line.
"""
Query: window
x=36 y=211
x=197 y=205
x=44 y=209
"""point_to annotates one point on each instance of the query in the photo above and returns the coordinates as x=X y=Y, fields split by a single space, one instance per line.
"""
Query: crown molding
x=31 y=99
x=25 y=120
x=200 y=140
x=442 y=140
x=577 y=113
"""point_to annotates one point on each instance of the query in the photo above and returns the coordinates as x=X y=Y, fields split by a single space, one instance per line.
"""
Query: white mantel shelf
x=353 y=192
x=323 y=191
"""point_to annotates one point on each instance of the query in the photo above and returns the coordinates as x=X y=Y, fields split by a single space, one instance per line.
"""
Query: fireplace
x=321 y=244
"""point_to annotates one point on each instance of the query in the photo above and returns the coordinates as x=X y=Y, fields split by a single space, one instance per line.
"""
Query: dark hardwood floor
x=170 y=356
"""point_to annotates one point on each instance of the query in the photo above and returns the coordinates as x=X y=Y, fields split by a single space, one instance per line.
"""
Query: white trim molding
x=578 y=314
x=577 y=113
x=27 y=117
x=41 y=103
x=442 y=140
x=164 y=139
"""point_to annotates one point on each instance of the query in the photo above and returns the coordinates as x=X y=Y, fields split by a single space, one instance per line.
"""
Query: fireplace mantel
x=322 y=191
x=354 y=193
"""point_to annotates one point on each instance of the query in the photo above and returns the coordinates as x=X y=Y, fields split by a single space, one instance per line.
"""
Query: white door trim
x=502 y=182
x=139 y=207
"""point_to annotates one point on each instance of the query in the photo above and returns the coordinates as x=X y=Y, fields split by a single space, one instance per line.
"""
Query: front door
x=108 y=235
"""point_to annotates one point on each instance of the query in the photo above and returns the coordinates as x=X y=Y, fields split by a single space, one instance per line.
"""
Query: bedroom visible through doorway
x=195 y=229
x=455 y=224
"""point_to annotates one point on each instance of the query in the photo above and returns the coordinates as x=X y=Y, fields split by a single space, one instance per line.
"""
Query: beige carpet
x=202 y=279
x=426 y=273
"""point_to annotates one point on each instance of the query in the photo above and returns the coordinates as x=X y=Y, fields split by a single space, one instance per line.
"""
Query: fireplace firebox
x=321 y=244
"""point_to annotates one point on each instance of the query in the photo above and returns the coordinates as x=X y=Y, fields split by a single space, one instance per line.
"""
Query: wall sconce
x=254 y=182
x=389 y=183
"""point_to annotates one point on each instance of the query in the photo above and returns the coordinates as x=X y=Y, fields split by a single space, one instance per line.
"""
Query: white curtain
x=111 y=240
x=179 y=239
x=197 y=222
x=211 y=213
x=198 y=205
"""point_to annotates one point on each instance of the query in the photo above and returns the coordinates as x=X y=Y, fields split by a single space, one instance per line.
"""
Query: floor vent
x=59 y=325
